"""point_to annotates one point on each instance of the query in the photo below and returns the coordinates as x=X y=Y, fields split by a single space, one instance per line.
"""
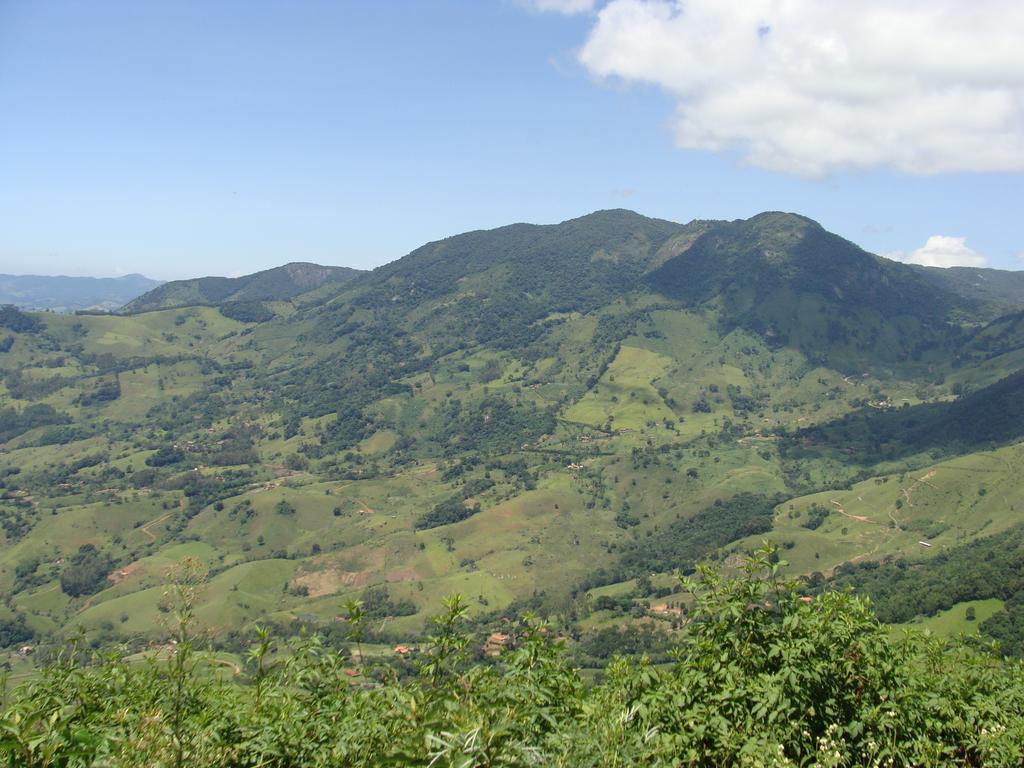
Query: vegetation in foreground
x=763 y=676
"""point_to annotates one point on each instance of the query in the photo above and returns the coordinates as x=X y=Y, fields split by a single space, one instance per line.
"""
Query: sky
x=180 y=138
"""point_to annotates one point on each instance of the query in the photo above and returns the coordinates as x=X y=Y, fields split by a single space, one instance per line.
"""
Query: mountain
x=68 y=294
x=580 y=262
x=544 y=421
x=277 y=284
x=786 y=278
x=749 y=262
x=539 y=417
x=996 y=290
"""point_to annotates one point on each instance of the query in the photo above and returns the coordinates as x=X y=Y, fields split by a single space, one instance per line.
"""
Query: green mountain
x=786 y=278
x=997 y=291
x=549 y=418
x=277 y=284
x=69 y=294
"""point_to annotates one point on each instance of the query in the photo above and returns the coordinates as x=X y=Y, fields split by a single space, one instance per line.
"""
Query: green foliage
x=14 y=422
x=377 y=604
x=1007 y=626
x=816 y=516
x=632 y=641
x=747 y=266
x=103 y=392
x=14 y=630
x=762 y=676
x=901 y=589
x=165 y=456
x=543 y=268
x=13 y=319
x=22 y=387
x=85 y=572
x=983 y=419
x=494 y=426
x=279 y=283
x=246 y=311
x=455 y=508
x=685 y=542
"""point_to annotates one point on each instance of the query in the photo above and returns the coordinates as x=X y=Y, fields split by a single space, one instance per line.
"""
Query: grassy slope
x=522 y=542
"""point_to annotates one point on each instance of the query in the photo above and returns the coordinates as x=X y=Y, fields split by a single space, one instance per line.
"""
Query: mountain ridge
x=67 y=293
x=275 y=284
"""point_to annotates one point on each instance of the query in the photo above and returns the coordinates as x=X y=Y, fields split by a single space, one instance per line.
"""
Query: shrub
x=763 y=676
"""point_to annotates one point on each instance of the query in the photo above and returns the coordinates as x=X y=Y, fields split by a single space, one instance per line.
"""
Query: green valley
x=513 y=415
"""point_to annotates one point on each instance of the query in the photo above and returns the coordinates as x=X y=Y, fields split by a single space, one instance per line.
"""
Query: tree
x=86 y=572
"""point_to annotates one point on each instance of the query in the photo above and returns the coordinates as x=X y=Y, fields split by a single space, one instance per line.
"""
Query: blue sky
x=191 y=137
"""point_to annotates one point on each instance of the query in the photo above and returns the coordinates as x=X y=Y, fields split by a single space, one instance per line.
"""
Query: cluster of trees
x=816 y=517
x=22 y=387
x=760 y=676
x=104 y=391
x=378 y=604
x=493 y=426
x=15 y=320
x=14 y=630
x=246 y=311
x=633 y=640
x=164 y=456
x=86 y=571
x=992 y=567
x=683 y=543
x=14 y=422
x=983 y=419
x=456 y=507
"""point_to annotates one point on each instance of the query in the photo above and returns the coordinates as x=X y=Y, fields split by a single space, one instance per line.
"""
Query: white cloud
x=811 y=86
x=942 y=251
x=567 y=7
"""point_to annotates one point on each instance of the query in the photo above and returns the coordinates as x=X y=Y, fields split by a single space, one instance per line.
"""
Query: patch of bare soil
x=331 y=581
x=123 y=573
x=402 y=574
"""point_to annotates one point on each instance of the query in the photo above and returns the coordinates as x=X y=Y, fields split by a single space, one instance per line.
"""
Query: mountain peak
x=752 y=259
x=780 y=218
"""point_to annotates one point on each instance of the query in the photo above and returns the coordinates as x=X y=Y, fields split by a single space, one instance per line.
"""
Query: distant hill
x=277 y=284
x=68 y=294
x=997 y=290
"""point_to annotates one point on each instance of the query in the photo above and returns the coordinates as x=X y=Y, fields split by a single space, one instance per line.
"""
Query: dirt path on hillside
x=123 y=573
x=908 y=492
x=842 y=511
x=145 y=528
x=892 y=530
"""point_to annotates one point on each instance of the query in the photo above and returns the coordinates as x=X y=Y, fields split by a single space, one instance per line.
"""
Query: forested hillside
x=548 y=419
x=277 y=284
